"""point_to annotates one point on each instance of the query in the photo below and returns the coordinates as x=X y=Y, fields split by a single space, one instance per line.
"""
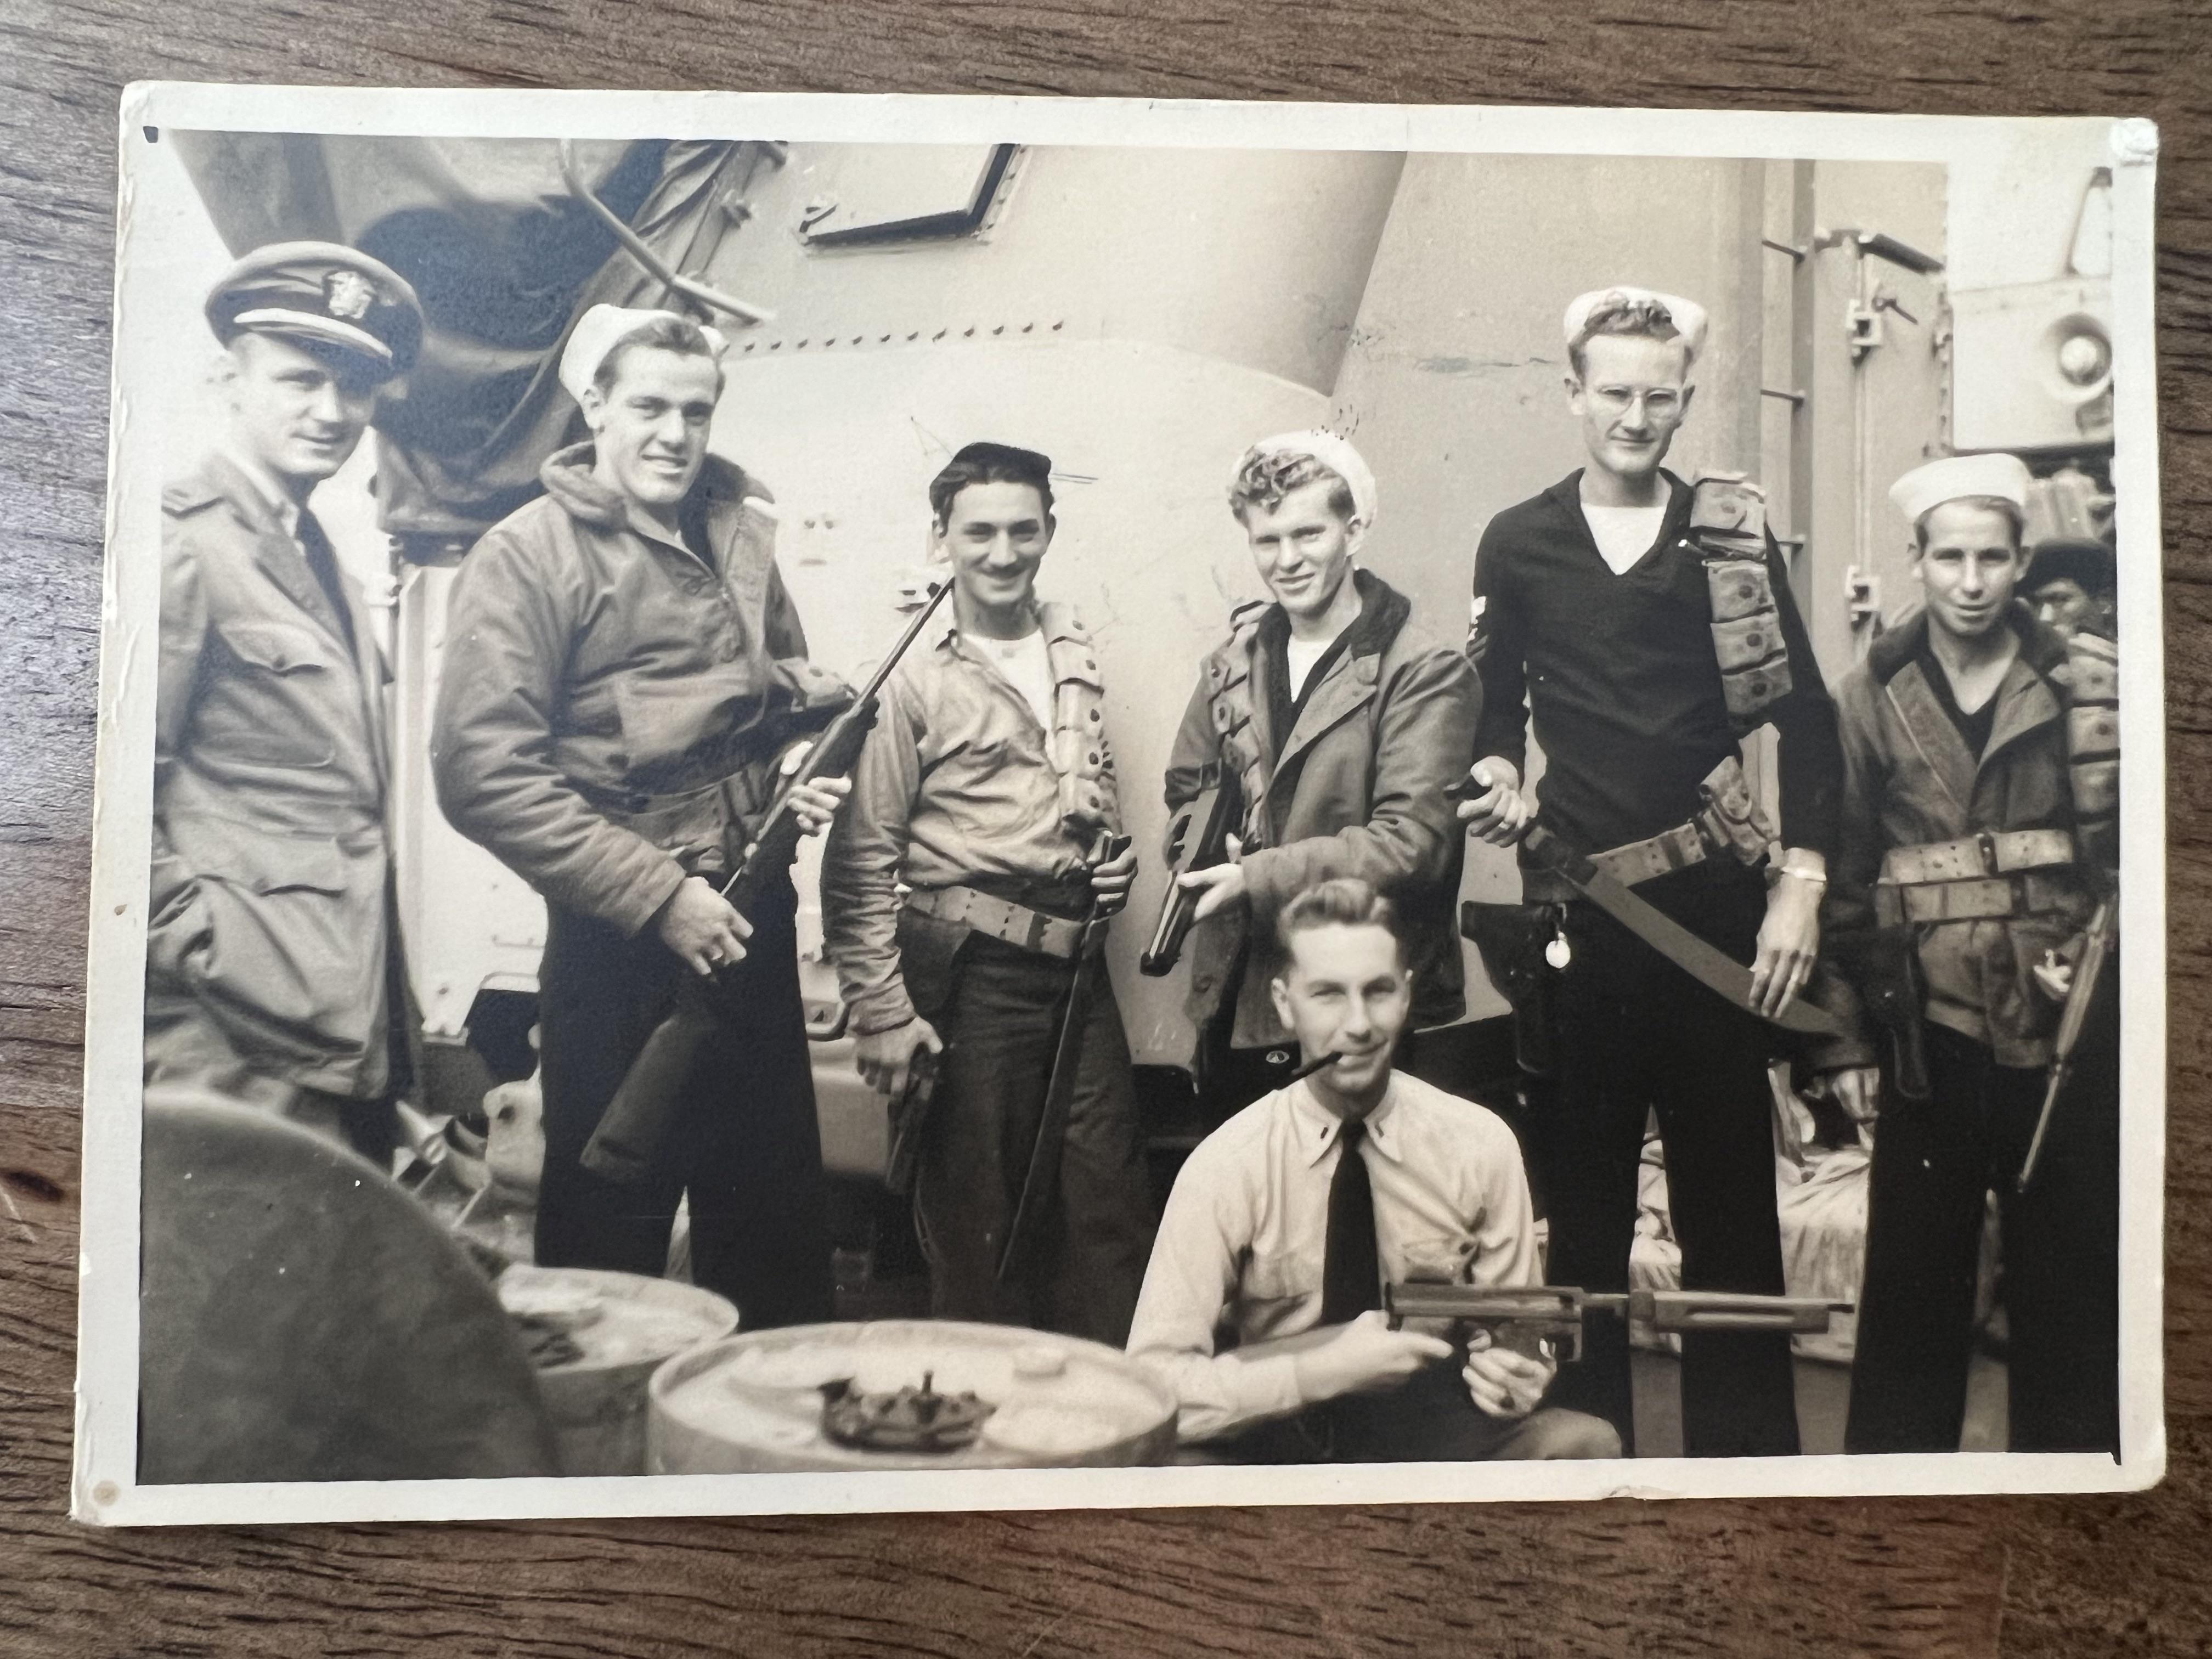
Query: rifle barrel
x=883 y=668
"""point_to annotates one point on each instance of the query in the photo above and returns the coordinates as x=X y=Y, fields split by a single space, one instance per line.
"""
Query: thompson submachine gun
x=1198 y=839
x=1519 y=1318
x=626 y=1147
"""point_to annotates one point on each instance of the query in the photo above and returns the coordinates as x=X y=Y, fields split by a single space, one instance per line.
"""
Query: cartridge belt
x=1655 y=855
x=1636 y=861
x=1002 y=919
x=1975 y=877
x=1731 y=821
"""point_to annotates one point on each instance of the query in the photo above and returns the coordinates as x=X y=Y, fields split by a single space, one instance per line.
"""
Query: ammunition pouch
x=1228 y=675
x=1731 y=822
x=1078 y=733
x=1728 y=527
x=1510 y=940
x=2092 y=745
x=1994 y=876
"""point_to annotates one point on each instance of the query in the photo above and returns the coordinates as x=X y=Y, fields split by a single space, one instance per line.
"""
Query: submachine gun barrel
x=1556 y=1312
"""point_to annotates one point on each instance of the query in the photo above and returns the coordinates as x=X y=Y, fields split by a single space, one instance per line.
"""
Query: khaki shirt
x=1243 y=1242
x=956 y=782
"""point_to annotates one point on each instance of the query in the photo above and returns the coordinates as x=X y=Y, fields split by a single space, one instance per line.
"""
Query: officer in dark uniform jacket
x=273 y=971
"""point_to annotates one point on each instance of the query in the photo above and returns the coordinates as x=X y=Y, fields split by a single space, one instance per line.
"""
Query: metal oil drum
x=607 y=1334
x=755 y=1403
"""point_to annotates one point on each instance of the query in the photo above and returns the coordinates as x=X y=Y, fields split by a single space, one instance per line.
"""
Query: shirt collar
x=277 y=499
x=1318 y=1127
x=1056 y=624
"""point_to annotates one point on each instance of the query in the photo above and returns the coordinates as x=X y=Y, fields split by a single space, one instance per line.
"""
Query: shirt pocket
x=277 y=647
x=1277 y=1277
x=278 y=704
x=1437 y=1258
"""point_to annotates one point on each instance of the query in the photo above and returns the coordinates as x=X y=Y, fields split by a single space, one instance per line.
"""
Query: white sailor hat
x=1687 y=316
x=1927 y=487
x=1334 y=452
x=598 y=331
x=323 y=294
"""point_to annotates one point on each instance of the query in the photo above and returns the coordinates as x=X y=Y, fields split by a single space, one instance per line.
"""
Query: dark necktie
x=1351 y=1274
x=323 y=560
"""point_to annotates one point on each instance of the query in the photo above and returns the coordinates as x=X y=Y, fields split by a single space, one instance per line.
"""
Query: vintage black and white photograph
x=961 y=804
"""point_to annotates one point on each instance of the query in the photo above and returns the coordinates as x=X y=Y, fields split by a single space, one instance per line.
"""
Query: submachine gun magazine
x=1518 y=1316
x=626 y=1147
x=1198 y=839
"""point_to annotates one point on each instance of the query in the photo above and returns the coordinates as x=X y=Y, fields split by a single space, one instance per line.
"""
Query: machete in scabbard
x=2081 y=997
x=1708 y=964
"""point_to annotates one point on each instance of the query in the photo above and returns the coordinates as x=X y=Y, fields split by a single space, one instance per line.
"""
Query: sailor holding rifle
x=987 y=791
x=624 y=678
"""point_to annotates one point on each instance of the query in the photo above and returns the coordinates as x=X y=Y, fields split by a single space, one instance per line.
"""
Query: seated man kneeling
x=1287 y=1221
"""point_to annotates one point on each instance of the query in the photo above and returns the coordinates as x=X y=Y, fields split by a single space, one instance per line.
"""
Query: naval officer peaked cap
x=321 y=293
x=1927 y=487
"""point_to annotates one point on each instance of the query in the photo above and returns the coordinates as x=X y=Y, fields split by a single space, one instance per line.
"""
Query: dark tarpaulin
x=504 y=259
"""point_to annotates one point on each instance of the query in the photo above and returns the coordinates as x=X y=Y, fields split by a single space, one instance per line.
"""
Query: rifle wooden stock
x=1198 y=839
x=627 y=1145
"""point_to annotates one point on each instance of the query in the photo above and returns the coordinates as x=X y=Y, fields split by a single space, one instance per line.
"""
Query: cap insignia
x=348 y=294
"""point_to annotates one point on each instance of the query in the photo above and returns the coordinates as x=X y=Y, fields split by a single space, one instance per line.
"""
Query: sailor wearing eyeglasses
x=1646 y=627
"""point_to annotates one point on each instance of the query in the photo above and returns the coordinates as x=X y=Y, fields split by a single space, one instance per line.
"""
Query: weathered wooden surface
x=2071 y=1576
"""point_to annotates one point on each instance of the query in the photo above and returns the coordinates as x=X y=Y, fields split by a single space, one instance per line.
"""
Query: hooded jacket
x=1356 y=787
x=613 y=704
